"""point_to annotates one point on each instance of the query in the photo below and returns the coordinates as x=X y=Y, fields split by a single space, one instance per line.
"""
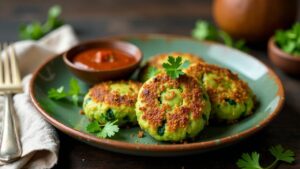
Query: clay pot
x=254 y=20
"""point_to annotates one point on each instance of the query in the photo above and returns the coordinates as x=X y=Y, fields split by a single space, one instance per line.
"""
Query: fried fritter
x=231 y=98
x=172 y=109
x=109 y=101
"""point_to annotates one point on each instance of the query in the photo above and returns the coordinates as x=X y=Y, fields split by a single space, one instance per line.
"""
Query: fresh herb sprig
x=251 y=161
x=289 y=40
x=60 y=93
x=103 y=131
x=151 y=71
x=174 y=66
x=206 y=31
x=36 y=30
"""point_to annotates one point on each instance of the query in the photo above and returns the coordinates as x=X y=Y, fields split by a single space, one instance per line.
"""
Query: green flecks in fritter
x=204 y=117
x=231 y=102
x=244 y=112
x=126 y=118
x=110 y=115
x=161 y=129
x=204 y=97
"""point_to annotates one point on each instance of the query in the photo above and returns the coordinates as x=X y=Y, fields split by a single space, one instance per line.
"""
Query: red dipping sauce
x=103 y=59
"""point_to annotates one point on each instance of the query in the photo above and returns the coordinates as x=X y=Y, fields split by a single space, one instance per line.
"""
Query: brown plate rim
x=108 y=143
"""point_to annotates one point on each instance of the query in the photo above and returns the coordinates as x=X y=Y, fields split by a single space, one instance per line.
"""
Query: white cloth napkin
x=39 y=140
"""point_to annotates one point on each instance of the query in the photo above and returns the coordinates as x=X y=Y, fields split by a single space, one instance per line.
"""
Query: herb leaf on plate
x=57 y=94
x=109 y=130
x=103 y=131
x=93 y=127
x=60 y=93
x=174 y=66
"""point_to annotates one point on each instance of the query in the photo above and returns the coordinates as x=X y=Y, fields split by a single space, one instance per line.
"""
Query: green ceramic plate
x=66 y=117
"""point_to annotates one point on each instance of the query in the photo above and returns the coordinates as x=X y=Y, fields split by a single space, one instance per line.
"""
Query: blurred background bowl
x=254 y=20
x=286 y=62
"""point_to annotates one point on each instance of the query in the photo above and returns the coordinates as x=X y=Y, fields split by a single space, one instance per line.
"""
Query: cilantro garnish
x=206 y=31
x=152 y=71
x=289 y=40
x=60 y=93
x=251 y=161
x=36 y=30
x=103 y=131
x=174 y=66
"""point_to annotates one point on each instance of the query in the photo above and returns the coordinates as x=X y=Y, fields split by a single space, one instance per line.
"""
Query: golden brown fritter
x=172 y=109
x=112 y=100
x=231 y=97
x=103 y=92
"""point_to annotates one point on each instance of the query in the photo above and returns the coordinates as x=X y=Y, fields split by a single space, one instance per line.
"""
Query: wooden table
x=94 y=19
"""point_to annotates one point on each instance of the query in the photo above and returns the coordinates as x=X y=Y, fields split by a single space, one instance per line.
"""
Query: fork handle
x=10 y=147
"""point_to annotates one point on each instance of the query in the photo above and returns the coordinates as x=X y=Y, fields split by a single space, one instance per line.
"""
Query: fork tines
x=10 y=81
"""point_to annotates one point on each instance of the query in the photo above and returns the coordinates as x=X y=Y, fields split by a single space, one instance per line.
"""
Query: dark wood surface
x=94 y=19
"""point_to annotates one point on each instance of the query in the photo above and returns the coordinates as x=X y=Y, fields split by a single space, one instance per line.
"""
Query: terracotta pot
x=286 y=62
x=254 y=20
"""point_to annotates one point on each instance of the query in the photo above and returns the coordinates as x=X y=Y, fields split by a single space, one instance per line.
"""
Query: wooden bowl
x=286 y=62
x=94 y=76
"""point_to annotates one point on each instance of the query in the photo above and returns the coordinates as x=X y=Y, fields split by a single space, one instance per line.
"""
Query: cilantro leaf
x=75 y=99
x=74 y=91
x=206 y=31
x=36 y=30
x=53 y=20
x=109 y=130
x=280 y=154
x=228 y=41
x=249 y=161
x=93 y=127
x=57 y=94
x=152 y=71
x=174 y=66
x=241 y=45
x=54 y=11
x=74 y=87
x=289 y=40
x=103 y=131
x=31 y=31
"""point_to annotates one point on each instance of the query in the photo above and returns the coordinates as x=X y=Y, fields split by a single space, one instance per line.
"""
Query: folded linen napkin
x=39 y=140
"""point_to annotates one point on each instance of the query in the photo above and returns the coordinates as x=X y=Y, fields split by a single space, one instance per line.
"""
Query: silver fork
x=10 y=83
